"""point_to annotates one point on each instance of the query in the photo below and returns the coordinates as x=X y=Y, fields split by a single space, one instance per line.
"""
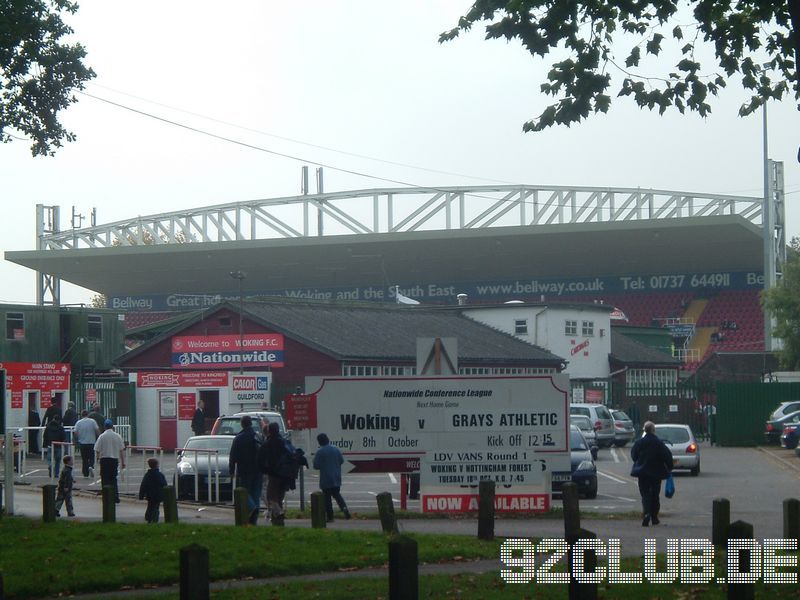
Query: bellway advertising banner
x=531 y=289
x=213 y=351
x=388 y=424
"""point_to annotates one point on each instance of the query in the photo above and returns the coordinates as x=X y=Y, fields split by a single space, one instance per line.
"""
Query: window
x=651 y=382
x=224 y=322
x=399 y=371
x=95 y=328
x=587 y=328
x=15 y=326
x=570 y=328
x=521 y=327
x=505 y=371
x=360 y=370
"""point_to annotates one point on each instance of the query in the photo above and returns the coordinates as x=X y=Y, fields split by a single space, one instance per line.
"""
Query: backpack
x=290 y=463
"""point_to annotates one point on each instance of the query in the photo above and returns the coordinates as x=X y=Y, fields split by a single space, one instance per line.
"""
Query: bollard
x=170 y=505
x=1 y=508
x=194 y=573
x=240 y=511
x=577 y=590
x=791 y=519
x=740 y=530
x=403 y=569
x=48 y=503
x=486 y=510
x=318 y=517
x=572 y=512
x=302 y=490
x=386 y=512
x=109 y=504
x=720 y=519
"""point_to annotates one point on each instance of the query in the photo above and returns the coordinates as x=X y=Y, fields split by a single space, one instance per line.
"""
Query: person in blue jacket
x=328 y=461
x=652 y=462
x=152 y=489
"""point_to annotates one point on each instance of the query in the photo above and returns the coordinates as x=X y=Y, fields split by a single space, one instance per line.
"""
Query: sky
x=355 y=77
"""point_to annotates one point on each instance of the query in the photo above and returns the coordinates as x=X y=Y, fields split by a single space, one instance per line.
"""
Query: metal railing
x=157 y=452
x=196 y=472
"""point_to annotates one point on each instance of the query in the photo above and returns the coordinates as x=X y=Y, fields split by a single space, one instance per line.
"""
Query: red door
x=168 y=419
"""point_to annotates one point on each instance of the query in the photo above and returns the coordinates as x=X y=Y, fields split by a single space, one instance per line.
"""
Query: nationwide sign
x=226 y=351
x=389 y=424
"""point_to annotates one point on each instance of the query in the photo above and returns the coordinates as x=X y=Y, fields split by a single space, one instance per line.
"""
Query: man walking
x=86 y=433
x=243 y=460
x=97 y=416
x=328 y=461
x=110 y=451
x=274 y=458
x=199 y=419
x=652 y=463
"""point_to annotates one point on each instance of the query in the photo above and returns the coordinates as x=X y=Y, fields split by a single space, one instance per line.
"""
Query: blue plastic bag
x=669 y=487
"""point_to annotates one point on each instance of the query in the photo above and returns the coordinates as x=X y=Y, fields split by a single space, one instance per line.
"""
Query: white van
x=601 y=419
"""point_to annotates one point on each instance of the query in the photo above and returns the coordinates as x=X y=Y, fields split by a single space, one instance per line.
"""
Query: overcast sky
x=362 y=77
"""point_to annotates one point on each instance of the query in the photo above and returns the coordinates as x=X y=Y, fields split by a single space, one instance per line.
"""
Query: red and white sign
x=44 y=377
x=91 y=395
x=594 y=396
x=16 y=400
x=454 y=503
x=186 y=405
x=301 y=411
x=193 y=379
x=202 y=352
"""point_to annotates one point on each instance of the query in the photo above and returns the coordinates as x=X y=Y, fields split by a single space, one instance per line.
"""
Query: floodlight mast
x=240 y=276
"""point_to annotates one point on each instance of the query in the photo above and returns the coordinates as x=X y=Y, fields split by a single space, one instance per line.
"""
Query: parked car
x=601 y=419
x=202 y=463
x=587 y=429
x=785 y=408
x=683 y=445
x=623 y=428
x=791 y=434
x=231 y=424
x=584 y=471
x=774 y=428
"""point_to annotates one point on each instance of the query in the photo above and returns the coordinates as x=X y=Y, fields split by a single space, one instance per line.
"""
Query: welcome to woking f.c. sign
x=208 y=351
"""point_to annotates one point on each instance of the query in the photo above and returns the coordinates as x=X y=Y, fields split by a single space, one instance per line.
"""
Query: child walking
x=152 y=488
x=64 y=493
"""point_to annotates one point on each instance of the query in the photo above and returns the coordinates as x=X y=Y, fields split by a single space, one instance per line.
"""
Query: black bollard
x=572 y=511
x=403 y=569
x=170 y=505
x=49 y=503
x=486 y=510
x=109 y=504
x=577 y=590
x=1 y=510
x=386 y=512
x=194 y=573
x=720 y=519
x=318 y=517
x=241 y=514
x=791 y=519
x=740 y=530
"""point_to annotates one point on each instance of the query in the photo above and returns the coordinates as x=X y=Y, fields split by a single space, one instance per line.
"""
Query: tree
x=38 y=71
x=757 y=40
x=783 y=303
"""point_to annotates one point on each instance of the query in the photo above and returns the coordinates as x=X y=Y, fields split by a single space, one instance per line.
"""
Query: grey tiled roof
x=628 y=351
x=390 y=332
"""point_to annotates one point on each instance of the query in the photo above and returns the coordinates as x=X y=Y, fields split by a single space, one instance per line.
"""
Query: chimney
x=462 y=299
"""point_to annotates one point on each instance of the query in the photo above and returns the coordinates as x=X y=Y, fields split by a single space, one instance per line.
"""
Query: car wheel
x=791 y=444
x=591 y=493
x=695 y=471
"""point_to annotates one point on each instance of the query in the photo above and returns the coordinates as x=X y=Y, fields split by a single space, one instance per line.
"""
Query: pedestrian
x=243 y=461
x=86 y=433
x=69 y=419
x=652 y=462
x=199 y=418
x=52 y=410
x=152 y=488
x=110 y=451
x=98 y=416
x=64 y=492
x=53 y=432
x=272 y=455
x=328 y=461
x=34 y=420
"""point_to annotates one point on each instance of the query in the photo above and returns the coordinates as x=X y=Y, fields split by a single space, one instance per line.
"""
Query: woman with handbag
x=652 y=463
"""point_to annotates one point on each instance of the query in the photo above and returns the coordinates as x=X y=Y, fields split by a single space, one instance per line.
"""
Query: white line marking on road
x=611 y=477
x=618 y=498
x=392 y=478
x=32 y=472
x=614 y=455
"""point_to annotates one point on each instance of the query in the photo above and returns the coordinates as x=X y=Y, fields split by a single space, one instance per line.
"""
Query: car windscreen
x=602 y=413
x=583 y=423
x=672 y=435
x=579 y=410
x=620 y=416
x=576 y=441
x=215 y=443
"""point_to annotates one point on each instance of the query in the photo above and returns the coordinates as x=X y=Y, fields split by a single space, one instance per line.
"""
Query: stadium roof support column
x=48 y=287
x=774 y=239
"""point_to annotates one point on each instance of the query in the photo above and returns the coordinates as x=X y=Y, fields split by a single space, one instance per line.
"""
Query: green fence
x=743 y=409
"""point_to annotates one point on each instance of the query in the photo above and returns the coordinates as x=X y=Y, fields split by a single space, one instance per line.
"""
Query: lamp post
x=240 y=275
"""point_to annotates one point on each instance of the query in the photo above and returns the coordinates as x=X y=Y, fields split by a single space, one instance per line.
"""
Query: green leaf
x=633 y=57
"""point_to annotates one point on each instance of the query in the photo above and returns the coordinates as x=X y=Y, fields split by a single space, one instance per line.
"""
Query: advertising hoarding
x=226 y=351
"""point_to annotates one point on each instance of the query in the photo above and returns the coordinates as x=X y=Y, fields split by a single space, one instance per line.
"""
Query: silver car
x=587 y=429
x=602 y=421
x=683 y=445
x=201 y=456
x=623 y=428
